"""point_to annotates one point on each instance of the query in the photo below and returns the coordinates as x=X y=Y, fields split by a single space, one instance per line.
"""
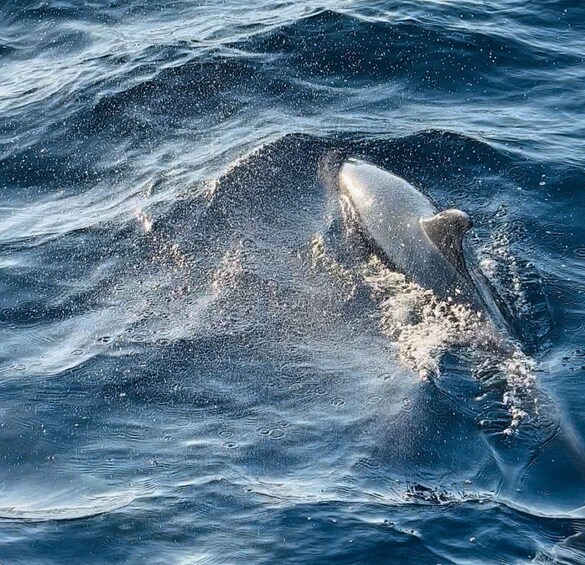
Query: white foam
x=500 y=262
x=423 y=328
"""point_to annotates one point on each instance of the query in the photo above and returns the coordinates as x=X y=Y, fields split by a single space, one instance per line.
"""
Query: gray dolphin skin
x=419 y=241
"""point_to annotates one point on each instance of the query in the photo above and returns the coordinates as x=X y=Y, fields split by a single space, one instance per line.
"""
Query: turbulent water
x=202 y=362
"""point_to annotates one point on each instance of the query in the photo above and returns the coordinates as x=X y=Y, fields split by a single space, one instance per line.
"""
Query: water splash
x=320 y=258
x=423 y=328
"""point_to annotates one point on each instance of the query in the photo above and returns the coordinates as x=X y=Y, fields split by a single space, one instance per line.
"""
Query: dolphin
x=428 y=246
x=424 y=244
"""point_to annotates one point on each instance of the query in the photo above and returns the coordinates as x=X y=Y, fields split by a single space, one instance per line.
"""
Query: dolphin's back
x=404 y=225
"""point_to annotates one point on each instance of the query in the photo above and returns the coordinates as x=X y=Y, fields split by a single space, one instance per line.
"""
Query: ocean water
x=201 y=362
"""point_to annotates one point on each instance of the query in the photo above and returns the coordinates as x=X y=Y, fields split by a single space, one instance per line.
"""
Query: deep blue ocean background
x=199 y=363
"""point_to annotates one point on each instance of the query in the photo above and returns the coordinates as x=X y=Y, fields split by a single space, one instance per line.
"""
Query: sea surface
x=201 y=361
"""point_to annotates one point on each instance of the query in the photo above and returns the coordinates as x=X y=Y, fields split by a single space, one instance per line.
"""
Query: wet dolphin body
x=424 y=244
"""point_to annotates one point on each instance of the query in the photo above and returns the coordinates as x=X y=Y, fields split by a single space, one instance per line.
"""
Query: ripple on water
x=85 y=507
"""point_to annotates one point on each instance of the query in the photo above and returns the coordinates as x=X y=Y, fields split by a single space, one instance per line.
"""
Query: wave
x=62 y=511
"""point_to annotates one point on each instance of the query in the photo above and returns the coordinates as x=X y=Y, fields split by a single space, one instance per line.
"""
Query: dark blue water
x=199 y=363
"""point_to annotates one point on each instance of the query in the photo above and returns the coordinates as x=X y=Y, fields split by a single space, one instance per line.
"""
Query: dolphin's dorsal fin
x=446 y=230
